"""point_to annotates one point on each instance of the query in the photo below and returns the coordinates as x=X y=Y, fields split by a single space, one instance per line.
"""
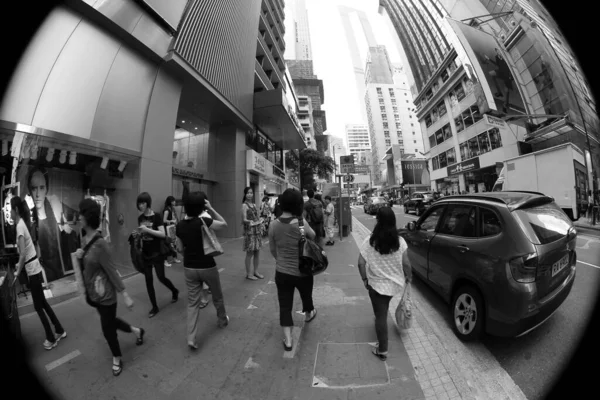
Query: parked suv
x=505 y=261
x=419 y=202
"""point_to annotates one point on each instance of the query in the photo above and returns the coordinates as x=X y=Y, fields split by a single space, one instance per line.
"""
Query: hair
x=195 y=203
x=291 y=201
x=43 y=171
x=266 y=198
x=328 y=198
x=319 y=197
x=310 y=193
x=144 y=198
x=385 y=235
x=90 y=210
x=20 y=206
x=246 y=190
x=169 y=201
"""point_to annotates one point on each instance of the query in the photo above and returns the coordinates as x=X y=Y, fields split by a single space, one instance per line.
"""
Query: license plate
x=560 y=265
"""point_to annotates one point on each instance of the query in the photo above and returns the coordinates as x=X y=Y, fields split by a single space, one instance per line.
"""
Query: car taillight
x=524 y=268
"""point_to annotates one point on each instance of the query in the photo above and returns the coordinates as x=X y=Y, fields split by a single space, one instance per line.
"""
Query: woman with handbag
x=252 y=234
x=382 y=263
x=28 y=259
x=199 y=267
x=170 y=219
x=284 y=236
x=152 y=231
x=102 y=283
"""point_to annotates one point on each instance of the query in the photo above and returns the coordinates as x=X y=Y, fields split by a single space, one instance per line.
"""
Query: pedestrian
x=170 y=219
x=329 y=220
x=284 y=236
x=28 y=259
x=313 y=213
x=265 y=214
x=102 y=282
x=151 y=227
x=385 y=269
x=200 y=269
x=277 y=208
x=252 y=234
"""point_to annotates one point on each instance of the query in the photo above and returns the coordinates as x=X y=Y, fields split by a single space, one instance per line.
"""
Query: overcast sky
x=331 y=56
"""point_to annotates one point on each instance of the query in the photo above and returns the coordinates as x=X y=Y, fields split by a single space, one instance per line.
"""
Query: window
x=436 y=87
x=391 y=92
x=460 y=221
x=379 y=90
x=414 y=133
x=428 y=121
x=439 y=136
x=447 y=132
x=412 y=124
x=388 y=142
x=460 y=92
x=432 y=142
x=442 y=109
x=435 y=162
x=428 y=95
x=430 y=222
x=450 y=156
x=464 y=151
x=395 y=109
x=490 y=224
x=399 y=134
x=385 y=125
x=381 y=101
x=467 y=118
x=415 y=141
x=386 y=134
x=407 y=101
x=443 y=160
x=495 y=138
x=398 y=125
x=473 y=148
x=382 y=108
x=405 y=94
x=384 y=117
x=476 y=114
x=484 y=143
x=445 y=75
x=459 y=123
x=394 y=102
x=397 y=117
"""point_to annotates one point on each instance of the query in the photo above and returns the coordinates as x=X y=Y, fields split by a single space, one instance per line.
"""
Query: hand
x=144 y=229
x=79 y=254
x=366 y=282
x=208 y=205
x=128 y=301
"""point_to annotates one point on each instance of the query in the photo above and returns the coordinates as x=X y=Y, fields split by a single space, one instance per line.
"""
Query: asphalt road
x=536 y=360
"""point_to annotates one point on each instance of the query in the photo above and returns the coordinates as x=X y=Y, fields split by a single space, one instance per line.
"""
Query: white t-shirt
x=34 y=267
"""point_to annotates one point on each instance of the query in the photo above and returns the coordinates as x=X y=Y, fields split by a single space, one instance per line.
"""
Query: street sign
x=348 y=178
x=361 y=169
x=349 y=185
x=347 y=164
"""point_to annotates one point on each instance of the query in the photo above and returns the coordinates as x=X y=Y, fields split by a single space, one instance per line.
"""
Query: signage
x=187 y=173
x=361 y=169
x=493 y=121
x=414 y=172
x=465 y=166
x=347 y=164
x=257 y=163
x=349 y=178
x=349 y=185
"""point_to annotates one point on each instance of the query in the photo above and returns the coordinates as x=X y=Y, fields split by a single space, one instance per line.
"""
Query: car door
x=418 y=241
x=415 y=201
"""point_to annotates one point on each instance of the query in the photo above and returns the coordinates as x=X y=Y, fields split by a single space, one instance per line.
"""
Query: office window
x=476 y=114
x=467 y=118
x=447 y=132
x=398 y=125
x=407 y=101
x=445 y=75
x=435 y=163
x=395 y=109
x=484 y=143
x=384 y=117
x=432 y=142
x=495 y=138
x=442 y=109
x=386 y=134
x=464 y=151
x=394 y=102
x=473 y=147
x=381 y=101
x=391 y=92
x=379 y=90
x=451 y=156
x=459 y=123
x=382 y=108
x=443 y=161
x=406 y=94
x=439 y=136
x=415 y=141
x=428 y=121
x=388 y=142
x=435 y=87
x=397 y=117
x=460 y=92
x=385 y=125
x=412 y=124
x=414 y=133
x=428 y=95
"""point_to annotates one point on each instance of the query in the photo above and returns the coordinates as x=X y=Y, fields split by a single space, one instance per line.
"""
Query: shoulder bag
x=312 y=258
x=211 y=245
x=404 y=310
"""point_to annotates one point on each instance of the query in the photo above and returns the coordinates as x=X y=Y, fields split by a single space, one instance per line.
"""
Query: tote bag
x=211 y=245
x=312 y=258
x=404 y=310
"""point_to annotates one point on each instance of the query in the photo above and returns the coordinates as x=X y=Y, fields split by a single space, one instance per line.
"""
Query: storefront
x=476 y=179
x=263 y=176
x=447 y=186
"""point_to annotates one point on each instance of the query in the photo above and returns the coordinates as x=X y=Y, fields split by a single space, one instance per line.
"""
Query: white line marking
x=62 y=360
x=252 y=307
x=591 y=265
x=270 y=283
x=251 y=364
x=261 y=293
x=221 y=269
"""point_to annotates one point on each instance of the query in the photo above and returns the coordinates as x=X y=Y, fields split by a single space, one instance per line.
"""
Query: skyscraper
x=301 y=30
x=357 y=137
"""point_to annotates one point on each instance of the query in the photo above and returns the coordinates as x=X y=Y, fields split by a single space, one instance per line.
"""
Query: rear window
x=378 y=200
x=545 y=223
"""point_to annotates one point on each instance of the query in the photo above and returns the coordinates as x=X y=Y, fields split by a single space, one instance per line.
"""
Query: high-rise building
x=390 y=111
x=445 y=42
x=301 y=29
x=357 y=137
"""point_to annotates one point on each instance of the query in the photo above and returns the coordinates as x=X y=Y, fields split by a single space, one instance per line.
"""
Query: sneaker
x=177 y=261
x=59 y=336
x=168 y=265
x=48 y=345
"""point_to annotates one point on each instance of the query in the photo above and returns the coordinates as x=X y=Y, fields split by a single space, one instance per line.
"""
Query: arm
x=362 y=269
x=245 y=219
x=308 y=230
x=218 y=221
x=406 y=266
x=21 y=262
x=272 y=245
x=105 y=261
x=167 y=221
x=160 y=232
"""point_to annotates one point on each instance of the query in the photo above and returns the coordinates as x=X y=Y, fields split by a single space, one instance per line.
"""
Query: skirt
x=252 y=240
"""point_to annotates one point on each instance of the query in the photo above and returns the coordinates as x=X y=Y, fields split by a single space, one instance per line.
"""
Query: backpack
x=315 y=212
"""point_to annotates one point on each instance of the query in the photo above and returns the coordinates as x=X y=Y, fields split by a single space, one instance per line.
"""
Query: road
x=535 y=360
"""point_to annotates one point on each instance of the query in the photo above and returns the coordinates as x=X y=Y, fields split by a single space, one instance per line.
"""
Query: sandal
x=204 y=304
x=193 y=345
x=259 y=276
x=286 y=347
x=140 y=340
x=252 y=278
x=381 y=356
x=117 y=368
x=313 y=315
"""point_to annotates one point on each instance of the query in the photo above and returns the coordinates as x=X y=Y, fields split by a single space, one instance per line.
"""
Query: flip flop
x=313 y=316
x=377 y=354
x=285 y=346
x=204 y=304
x=259 y=276
x=140 y=341
x=253 y=278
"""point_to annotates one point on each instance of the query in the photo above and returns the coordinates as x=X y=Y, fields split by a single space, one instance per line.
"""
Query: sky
x=331 y=57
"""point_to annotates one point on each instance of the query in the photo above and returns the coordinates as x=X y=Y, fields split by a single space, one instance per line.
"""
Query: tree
x=307 y=163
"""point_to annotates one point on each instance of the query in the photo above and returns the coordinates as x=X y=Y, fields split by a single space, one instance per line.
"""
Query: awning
x=275 y=117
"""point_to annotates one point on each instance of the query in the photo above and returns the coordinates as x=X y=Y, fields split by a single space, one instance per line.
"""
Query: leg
x=211 y=276
x=108 y=320
x=37 y=294
x=57 y=326
x=194 y=287
x=381 y=305
x=285 y=295
x=150 y=283
x=305 y=287
x=249 y=271
x=256 y=263
x=160 y=274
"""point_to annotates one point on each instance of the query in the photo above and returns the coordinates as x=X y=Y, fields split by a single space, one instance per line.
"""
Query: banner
x=414 y=172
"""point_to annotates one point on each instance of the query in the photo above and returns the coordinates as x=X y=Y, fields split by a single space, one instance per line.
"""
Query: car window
x=418 y=196
x=490 y=223
x=430 y=222
x=545 y=223
x=460 y=220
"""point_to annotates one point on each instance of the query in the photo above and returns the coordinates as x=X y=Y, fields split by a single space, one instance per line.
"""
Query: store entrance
x=482 y=180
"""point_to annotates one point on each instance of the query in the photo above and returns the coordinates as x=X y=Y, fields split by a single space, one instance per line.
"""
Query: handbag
x=404 y=310
x=211 y=245
x=312 y=258
x=136 y=253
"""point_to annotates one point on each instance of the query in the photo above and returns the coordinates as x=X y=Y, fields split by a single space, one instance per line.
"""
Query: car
x=373 y=204
x=419 y=202
x=505 y=261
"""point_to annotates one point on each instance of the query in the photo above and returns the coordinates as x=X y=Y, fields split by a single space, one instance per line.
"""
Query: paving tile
x=192 y=390
x=449 y=386
x=443 y=396
x=439 y=389
x=429 y=392
x=446 y=379
x=436 y=382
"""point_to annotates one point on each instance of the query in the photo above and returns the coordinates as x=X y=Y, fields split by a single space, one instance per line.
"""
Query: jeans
x=110 y=323
x=381 y=305
x=41 y=306
x=195 y=278
x=158 y=263
x=285 y=293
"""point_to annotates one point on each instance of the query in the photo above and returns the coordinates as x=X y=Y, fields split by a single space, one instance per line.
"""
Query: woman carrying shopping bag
x=381 y=262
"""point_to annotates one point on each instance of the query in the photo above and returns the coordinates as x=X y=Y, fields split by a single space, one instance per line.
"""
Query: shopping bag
x=212 y=247
x=404 y=310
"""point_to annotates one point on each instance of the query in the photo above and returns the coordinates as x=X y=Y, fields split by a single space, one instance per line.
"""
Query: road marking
x=221 y=269
x=251 y=364
x=62 y=360
x=252 y=307
x=591 y=265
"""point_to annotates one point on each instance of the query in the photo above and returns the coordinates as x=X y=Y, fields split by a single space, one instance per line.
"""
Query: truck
x=558 y=172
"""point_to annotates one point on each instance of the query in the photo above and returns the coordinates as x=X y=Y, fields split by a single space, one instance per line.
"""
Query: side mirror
x=411 y=226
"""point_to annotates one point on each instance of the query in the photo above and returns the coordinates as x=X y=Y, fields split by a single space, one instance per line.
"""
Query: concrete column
x=462 y=184
x=231 y=176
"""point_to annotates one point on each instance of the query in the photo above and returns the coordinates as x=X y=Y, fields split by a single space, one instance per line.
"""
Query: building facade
x=357 y=137
x=110 y=100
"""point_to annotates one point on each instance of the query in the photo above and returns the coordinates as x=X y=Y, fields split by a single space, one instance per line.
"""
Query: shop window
x=439 y=136
x=459 y=92
x=473 y=147
x=432 y=142
x=447 y=132
x=451 y=156
x=428 y=121
x=476 y=114
x=484 y=143
x=442 y=109
x=459 y=220
x=495 y=138
x=464 y=151
x=467 y=118
x=435 y=163
x=459 y=124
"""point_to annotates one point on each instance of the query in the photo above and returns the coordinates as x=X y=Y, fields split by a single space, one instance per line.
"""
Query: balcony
x=269 y=63
x=277 y=119
x=261 y=79
x=270 y=37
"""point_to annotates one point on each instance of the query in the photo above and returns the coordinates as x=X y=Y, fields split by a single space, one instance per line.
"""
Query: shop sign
x=257 y=163
x=413 y=171
x=278 y=172
x=187 y=173
x=493 y=121
x=465 y=166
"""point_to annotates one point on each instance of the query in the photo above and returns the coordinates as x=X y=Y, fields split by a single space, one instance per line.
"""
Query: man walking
x=329 y=220
x=313 y=213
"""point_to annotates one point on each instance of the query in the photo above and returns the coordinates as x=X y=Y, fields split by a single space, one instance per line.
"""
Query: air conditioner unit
x=513 y=23
x=503 y=36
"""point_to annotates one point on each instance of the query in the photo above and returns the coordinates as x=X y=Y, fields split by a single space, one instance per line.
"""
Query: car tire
x=467 y=300
x=405 y=210
x=365 y=210
x=417 y=211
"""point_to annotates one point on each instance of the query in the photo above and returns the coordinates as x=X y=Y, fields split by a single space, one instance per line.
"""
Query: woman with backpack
x=102 y=283
x=284 y=237
x=385 y=269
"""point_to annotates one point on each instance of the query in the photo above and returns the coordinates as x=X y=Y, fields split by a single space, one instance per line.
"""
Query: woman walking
x=28 y=259
x=97 y=267
x=329 y=220
x=252 y=234
x=170 y=218
x=383 y=264
x=284 y=236
x=153 y=233
x=199 y=268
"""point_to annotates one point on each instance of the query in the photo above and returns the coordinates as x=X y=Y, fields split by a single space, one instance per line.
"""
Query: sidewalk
x=331 y=357
x=585 y=223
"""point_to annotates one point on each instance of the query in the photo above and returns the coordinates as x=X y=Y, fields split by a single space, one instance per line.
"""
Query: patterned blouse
x=384 y=271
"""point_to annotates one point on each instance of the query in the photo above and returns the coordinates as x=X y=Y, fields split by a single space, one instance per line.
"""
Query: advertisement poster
x=414 y=172
x=487 y=65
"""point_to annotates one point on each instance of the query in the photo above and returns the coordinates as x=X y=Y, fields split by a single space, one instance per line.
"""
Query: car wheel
x=417 y=211
x=365 y=210
x=405 y=210
x=468 y=314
